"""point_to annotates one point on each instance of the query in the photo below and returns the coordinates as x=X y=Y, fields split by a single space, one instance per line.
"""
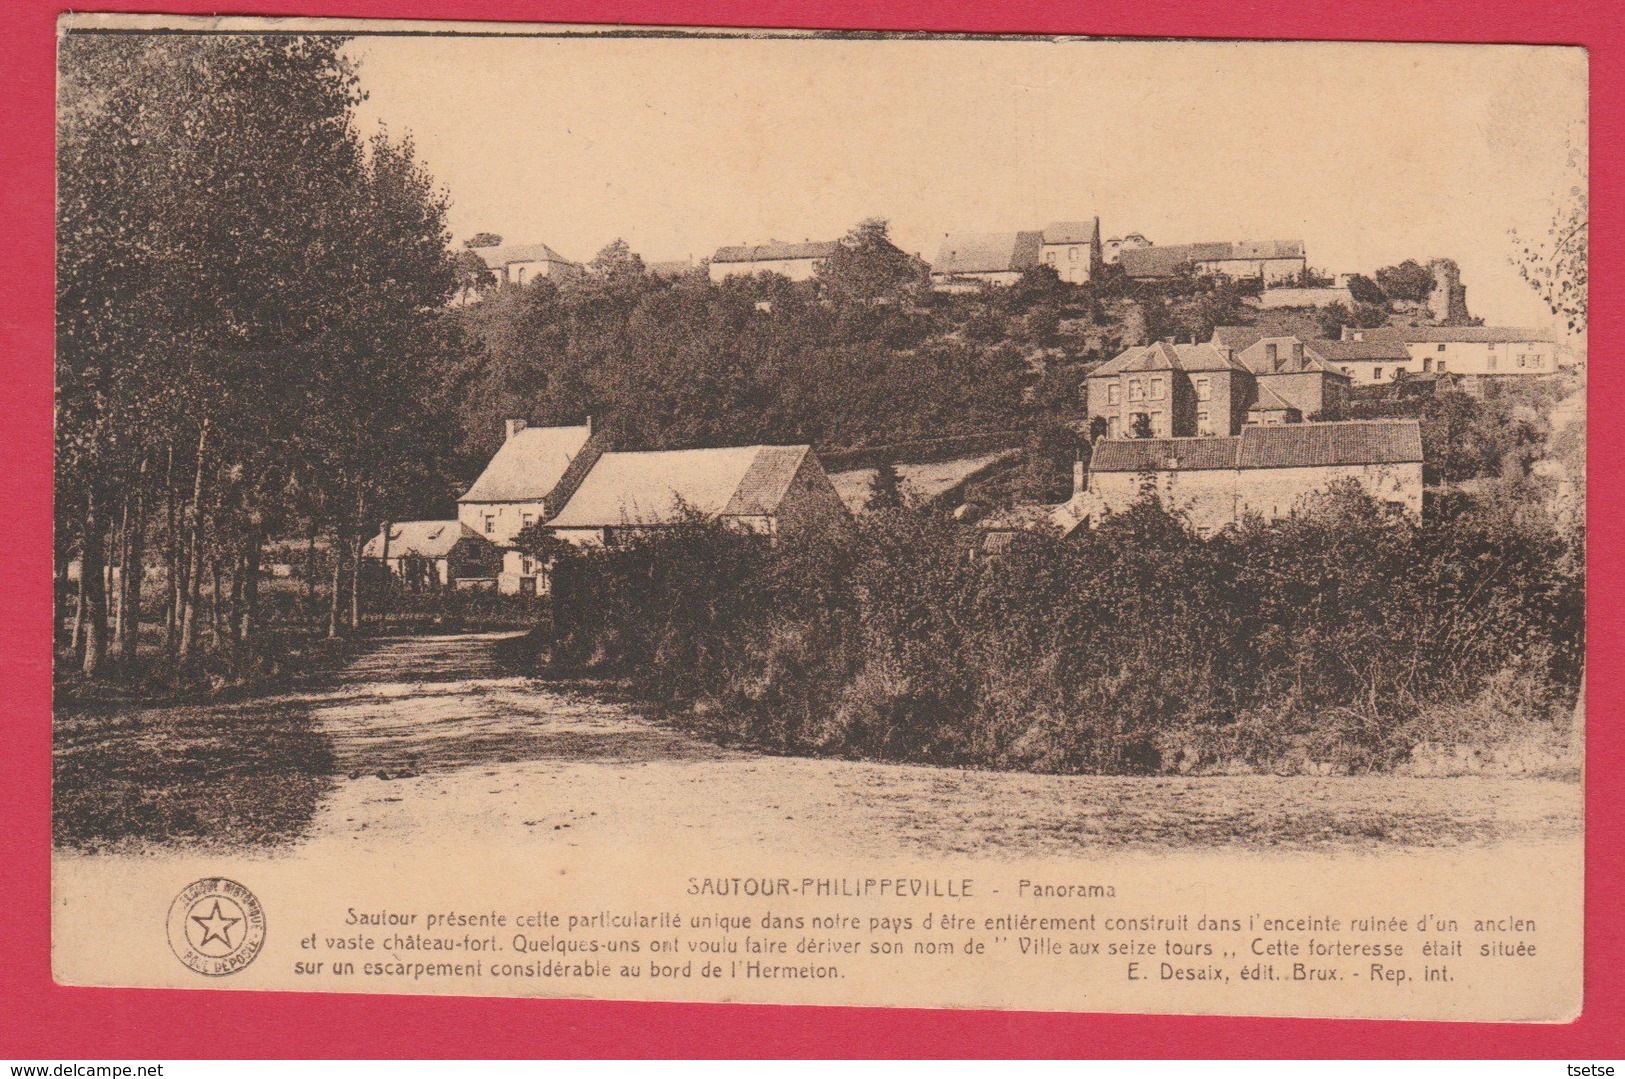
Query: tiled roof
x=1237 y=337
x=777 y=251
x=988 y=252
x=529 y=465
x=1072 y=232
x=498 y=257
x=658 y=487
x=1345 y=351
x=1292 y=445
x=421 y=539
x=1163 y=261
x=1270 y=401
x=1156 y=454
x=1359 y=442
x=1463 y=335
x=1162 y=356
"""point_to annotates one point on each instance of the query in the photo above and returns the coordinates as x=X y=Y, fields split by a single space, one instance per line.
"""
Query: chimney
x=1297 y=354
x=514 y=427
x=589 y=425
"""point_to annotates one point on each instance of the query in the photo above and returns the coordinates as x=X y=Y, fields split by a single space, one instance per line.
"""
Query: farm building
x=434 y=554
x=761 y=489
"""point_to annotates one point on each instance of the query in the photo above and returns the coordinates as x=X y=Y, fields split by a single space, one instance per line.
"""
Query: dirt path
x=433 y=740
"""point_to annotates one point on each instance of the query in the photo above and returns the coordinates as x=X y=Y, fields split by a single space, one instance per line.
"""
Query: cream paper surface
x=688 y=875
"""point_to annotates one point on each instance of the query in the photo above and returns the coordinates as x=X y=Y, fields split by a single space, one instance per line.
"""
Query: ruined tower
x=1447 y=303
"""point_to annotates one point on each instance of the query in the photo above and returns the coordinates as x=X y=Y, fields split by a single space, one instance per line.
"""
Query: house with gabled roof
x=764 y=490
x=529 y=478
x=1072 y=249
x=434 y=554
x=1482 y=352
x=521 y=264
x=1179 y=389
x=1269 y=261
x=970 y=260
x=1266 y=472
x=797 y=261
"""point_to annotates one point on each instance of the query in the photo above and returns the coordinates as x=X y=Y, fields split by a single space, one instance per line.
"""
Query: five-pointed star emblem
x=215 y=926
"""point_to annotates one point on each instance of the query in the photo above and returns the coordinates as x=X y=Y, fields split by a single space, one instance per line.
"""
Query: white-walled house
x=521 y=264
x=798 y=262
x=514 y=490
x=972 y=260
x=1073 y=249
x=434 y=554
x=766 y=490
x=1483 y=351
x=1263 y=471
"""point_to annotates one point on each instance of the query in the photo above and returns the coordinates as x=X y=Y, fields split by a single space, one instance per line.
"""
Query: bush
x=1338 y=639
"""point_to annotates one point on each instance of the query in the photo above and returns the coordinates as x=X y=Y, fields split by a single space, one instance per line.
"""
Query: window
x=1521 y=359
x=1049 y=256
x=528 y=519
x=1204 y=425
x=1376 y=373
x=1158 y=389
x=1536 y=360
x=1427 y=365
x=1114 y=394
x=1440 y=367
x=1492 y=363
x=1204 y=389
x=1159 y=424
x=1441 y=348
x=1136 y=390
x=1272 y=353
x=490 y=523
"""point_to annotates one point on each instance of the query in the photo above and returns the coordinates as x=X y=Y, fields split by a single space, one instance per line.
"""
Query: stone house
x=1213 y=388
x=519 y=264
x=1366 y=363
x=1483 y=352
x=1263 y=471
x=1269 y=261
x=1111 y=251
x=765 y=490
x=798 y=262
x=967 y=261
x=1073 y=248
x=527 y=481
x=434 y=554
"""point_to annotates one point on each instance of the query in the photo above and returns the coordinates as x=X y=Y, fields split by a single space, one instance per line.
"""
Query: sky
x=1368 y=153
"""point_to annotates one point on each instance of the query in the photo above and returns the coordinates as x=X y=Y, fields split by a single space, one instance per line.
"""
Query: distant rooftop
x=777 y=251
x=1293 y=445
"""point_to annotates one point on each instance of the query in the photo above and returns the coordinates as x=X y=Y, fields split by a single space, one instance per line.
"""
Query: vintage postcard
x=784 y=517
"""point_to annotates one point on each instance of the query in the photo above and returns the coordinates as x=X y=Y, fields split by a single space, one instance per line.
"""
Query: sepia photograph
x=805 y=517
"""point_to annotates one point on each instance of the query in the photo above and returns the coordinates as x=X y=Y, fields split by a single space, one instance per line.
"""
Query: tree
x=616 y=260
x=1141 y=427
x=248 y=298
x=868 y=268
x=886 y=488
x=1365 y=290
x=483 y=239
x=1555 y=265
x=1409 y=280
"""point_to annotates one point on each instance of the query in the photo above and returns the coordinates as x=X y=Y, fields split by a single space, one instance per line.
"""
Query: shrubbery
x=1340 y=638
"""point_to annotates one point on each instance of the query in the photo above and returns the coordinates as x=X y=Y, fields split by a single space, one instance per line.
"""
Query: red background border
x=46 y=1020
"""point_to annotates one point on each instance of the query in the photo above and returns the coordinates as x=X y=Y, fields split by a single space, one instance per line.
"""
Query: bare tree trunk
x=310 y=564
x=129 y=626
x=194 y=562
x=356 y=543
x=216 y=627
x=79 y=615
x=94 y=589
x=334 y=605
x=172 y=558
x=248 y=593
x=388 y=579
x=120 y=552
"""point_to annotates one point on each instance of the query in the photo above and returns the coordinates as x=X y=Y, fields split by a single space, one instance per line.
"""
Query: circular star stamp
x=216 y=926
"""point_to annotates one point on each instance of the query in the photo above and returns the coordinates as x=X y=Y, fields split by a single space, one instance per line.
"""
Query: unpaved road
x=433 y=739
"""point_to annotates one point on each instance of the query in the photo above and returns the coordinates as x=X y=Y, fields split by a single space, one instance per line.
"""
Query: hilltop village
x=1312 y=379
